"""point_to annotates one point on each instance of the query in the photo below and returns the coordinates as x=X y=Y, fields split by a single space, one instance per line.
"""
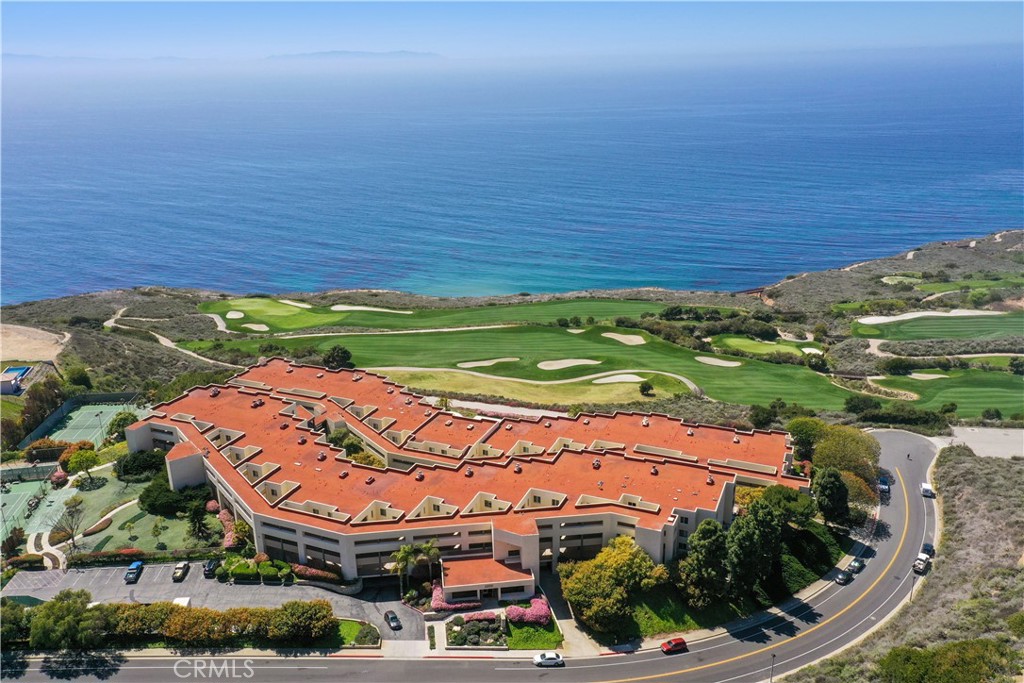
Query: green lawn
x=11 y=407
x=348 y=630
x=742 y=343
x=173 y=531
x=751 y=382
x=993 y=361
x=1005 y=280
x=952 y=327
x=530 y=637
x=972 y=390
x=105 y=498
x=661 y=610
x=584 y=391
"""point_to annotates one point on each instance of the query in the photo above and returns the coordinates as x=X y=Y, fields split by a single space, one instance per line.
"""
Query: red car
x=674 y=645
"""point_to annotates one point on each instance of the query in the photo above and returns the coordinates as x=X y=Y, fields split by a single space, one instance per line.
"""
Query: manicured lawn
x=741 y=343
x=751 y=382
x=661 y=610
x=1005 y=280
x=951 y=327
x=11 y=406
x=993 y=361
x=584 y=391
x=348 y=630
x=972 y=390
x=173 y=531
x=97 y=502
x=531 y=637
x=281 y=317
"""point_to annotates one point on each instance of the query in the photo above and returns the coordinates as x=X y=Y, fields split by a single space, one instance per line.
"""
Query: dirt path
x=164 y=341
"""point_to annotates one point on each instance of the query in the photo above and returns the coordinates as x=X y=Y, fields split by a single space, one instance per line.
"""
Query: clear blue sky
x=241 y=30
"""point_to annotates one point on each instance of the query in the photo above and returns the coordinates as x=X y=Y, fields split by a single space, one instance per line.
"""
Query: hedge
x=97 y=527
x=58 y=537
x=129 y=555
x=243 y=572
x=30 y=561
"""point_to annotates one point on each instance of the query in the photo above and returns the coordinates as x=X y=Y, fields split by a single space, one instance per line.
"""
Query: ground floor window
x=281 y=549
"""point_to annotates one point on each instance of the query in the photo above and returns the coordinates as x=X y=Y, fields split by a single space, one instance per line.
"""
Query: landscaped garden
x=478 y=629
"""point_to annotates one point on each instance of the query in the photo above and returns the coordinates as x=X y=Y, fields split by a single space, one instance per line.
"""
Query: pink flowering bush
x=480 y=616
x=438 y=604
x=538 y=613
x=229 y=528
x=212 y=506
x=311 y=574
x=59 y=478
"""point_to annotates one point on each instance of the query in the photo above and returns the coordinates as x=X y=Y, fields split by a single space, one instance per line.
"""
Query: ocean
x=455 y=181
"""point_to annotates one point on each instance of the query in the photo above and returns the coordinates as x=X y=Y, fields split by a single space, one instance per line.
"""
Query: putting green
x=972 y=390
x=583 y=391
x=753 y=382
x=279 y=317
x=948 y=327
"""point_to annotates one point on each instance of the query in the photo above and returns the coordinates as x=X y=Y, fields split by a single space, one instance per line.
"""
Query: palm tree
x=401 y=559
x=428 y=553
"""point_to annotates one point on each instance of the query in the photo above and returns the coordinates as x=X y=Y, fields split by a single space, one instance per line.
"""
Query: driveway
x=106 y=584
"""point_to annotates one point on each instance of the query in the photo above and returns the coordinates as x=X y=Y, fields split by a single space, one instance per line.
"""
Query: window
x=275 y=527
x=625 y=525
x=514 y=553
x=480 y=532
x=437 y=508
x=536 y=499
x=480 y=546
x=487 y=504
x=318 y=537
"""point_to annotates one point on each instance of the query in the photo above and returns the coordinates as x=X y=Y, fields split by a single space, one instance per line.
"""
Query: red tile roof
x=476 y=571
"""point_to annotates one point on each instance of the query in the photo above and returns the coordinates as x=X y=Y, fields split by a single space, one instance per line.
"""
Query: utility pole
x=771 y=676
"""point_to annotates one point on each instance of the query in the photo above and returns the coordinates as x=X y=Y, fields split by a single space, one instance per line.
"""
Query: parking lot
x=107 y=584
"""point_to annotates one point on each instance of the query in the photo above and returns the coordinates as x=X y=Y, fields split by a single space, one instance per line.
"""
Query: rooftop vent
x=518 y=469
x=289 y=371
x=302 y=440
x=284 y=425
x=586 y=421
x=596 y=464
x=321 y=456
x=391 y=390
x=735 y=439
x=600 y=484
x=447 y=423
x=419 y=476
x=319 y=375
x=654 y=470
x=370 y=480
x=469 y=428
x=689 y=432
x=469 y=471
x=215 y=392
x=547 y=424
x=710 y=480
x=356 y=378
x=343 y=475
x=408 y=401
x=646 y=422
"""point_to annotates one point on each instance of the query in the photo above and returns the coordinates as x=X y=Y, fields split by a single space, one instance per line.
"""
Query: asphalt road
x=834 y=617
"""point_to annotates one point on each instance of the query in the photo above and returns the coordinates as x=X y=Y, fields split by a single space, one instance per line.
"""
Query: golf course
x=972 y=390
x=944 y=327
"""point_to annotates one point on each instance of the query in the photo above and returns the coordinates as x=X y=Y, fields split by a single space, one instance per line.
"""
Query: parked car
x=392 y=620
x=673 y=645
x=843 y=578
x=210 y=568
x=180 y=572
x=922 y=563
x=928 y=549
x=927 y=491
x=548 y=659
x=856 y=566
x=134 y=572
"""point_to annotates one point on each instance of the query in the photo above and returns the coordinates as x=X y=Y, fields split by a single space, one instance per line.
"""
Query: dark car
x=843 y=578
x=134 y=572
x=210 y=568
x=856 y=566
x=673 y=645
x=928 y=549
x=392 y=620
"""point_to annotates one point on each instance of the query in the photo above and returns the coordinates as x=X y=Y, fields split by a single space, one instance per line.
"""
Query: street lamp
x=771 y=676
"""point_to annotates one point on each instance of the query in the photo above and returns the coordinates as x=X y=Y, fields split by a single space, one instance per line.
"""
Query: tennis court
x=89 y=422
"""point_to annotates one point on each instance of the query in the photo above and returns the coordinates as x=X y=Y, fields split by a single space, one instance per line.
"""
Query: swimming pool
x=22 y=370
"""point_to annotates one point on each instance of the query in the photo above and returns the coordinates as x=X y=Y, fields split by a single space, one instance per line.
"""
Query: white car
x=548 y=659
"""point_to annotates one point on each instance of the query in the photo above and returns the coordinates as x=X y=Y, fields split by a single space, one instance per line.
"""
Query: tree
x=121 y=421
x=646 y=388
x=302 y=621
x=67 y=623
x=70 y=521
x=761 y=417
x=861 y=404
x=992 y=414
x=41 y=399
x=401 y=560
x=575 y=321
x=831 y=495
x=83 y=461
x=10 y=545
x=11 y=433
x=793 y=507
x=130 y=528
x=197 y=527
x=338 y=357
x=14 y=622
x=78 y=377
x=848 y=449
x=1017 y=365
x=156 y=530
x=753 y=545
x=816 y=362
x=562 y=322
x=858 y=492
x=806 y=432
x=243 y=532
x=704 y=573
x=428 y=554
x=820 y=332
x=196 y=626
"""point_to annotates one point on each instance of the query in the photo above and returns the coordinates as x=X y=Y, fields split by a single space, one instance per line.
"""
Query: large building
x=504 y=498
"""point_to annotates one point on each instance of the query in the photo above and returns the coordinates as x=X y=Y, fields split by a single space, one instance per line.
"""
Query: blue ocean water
x=462 y=182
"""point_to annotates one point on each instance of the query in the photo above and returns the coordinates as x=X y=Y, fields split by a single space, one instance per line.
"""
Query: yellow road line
x=903 y=537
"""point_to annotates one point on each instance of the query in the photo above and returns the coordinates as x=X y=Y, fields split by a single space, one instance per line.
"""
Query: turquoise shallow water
x=464 y=185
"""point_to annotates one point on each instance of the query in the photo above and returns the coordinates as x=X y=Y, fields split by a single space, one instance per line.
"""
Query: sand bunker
x=485 y=363
x=565 y=363
x=346 y=307
x=257 y=327
x=627 y=339
x=297 y=304
x=575 y=331
x=234 y=315
x=28 y=343
x=926 y=376
x=618 y=378
x=882 y=319
x=717 y=361
x=812 y=350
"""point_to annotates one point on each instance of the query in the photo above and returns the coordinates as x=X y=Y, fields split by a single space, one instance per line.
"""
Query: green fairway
x=751 y=382
x=972 y=390
x=742 y=343
x=279 y=317
x=948 y=327
x=583 y=391
x=1001 y=282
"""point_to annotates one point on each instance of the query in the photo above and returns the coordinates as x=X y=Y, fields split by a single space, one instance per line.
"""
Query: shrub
x=212 y=506
x=260 y=558
x=59 y=478
x=368 y=635
x=267 y=571
x=58 y=537
x=139 y=466
x=159 y=499
x=97 y=527
x=30 y=561
x=243 y=571
x=221 y=573
x=458 y=621
x=480 y=616
x=538 y=613
x=438 y=604
x=310 y=574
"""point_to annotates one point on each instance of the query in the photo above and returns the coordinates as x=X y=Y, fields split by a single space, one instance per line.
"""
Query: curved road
x=831 y=619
